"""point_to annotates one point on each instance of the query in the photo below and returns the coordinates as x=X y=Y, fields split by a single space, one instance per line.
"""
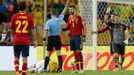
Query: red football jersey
x=75 y=25
x=21 y=23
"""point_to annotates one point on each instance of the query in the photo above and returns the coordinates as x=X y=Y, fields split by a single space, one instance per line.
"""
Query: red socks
x=81 y=60
x=24 y=68
x=78 y=60
x=16 y=64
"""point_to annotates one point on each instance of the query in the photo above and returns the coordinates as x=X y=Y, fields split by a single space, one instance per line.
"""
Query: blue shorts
x=24 y=49
x=75 y=43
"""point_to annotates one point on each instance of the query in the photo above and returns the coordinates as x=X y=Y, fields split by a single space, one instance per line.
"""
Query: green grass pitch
x=88 y=72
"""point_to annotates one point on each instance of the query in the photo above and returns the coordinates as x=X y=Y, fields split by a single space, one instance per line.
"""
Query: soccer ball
x=53 y=66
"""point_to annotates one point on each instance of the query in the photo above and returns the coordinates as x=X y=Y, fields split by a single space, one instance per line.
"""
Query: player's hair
x=115 y=14
x=22 y=6
x=72 y=6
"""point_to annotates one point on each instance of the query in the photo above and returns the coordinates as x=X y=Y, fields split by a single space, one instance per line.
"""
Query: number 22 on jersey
x=19 y=29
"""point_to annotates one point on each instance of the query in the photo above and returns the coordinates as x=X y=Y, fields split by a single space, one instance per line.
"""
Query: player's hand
x=84 y=38
x=68 y=2
x=10 y=42
x=35 y=44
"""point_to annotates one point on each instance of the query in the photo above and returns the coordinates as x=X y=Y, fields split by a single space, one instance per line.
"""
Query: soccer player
x=77 y=32
x=37 y=67
x=6 y=8
x=21 y=24
x=117 y=30
x=53 y=30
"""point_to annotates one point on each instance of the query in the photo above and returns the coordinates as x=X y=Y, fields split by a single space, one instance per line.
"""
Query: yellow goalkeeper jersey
x=38 y=17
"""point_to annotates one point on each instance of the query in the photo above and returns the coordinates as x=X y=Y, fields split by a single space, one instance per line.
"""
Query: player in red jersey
x=21 y=24
x=77 y=29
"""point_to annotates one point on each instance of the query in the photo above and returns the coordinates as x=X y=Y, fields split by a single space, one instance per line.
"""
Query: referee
x=53 y=30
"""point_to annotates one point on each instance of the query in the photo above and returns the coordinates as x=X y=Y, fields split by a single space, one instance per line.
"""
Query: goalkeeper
x=117 y=45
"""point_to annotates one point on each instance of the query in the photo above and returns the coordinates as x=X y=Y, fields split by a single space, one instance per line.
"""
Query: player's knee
x=24 y=59
x=115 y=54
x=58 y=52
x=16 y=58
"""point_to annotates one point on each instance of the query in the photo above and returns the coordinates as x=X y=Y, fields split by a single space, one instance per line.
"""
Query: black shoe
x=59 y=70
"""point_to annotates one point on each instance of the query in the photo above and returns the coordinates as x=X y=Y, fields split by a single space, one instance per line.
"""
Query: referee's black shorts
x=54 y=42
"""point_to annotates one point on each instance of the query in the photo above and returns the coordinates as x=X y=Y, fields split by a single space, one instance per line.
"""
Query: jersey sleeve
x=103 y=29
x=47 y=26
x=61 y=17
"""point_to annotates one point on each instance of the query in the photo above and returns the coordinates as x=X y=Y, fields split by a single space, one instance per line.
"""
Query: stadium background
x=103 y=57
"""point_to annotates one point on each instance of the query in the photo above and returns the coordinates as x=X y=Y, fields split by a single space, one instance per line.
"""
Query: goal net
x=94 y=15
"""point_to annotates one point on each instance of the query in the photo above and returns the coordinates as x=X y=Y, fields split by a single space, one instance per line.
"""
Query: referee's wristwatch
x=44 y=39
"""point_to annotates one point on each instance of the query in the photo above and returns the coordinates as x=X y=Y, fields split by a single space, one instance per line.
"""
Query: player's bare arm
x=45 y=35
x=84 y=33
x=65 y=9
x=11 y=36
x=34 y=37
x=84 y=29
x=130 y=27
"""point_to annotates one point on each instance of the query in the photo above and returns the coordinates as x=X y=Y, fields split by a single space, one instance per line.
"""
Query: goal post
x=94 y=35
x=88 y=10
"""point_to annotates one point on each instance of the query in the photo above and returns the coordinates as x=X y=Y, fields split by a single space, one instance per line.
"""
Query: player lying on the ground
x=39 y=67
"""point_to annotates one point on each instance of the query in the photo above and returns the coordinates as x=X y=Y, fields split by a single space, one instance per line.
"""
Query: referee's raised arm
x=65 y=9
